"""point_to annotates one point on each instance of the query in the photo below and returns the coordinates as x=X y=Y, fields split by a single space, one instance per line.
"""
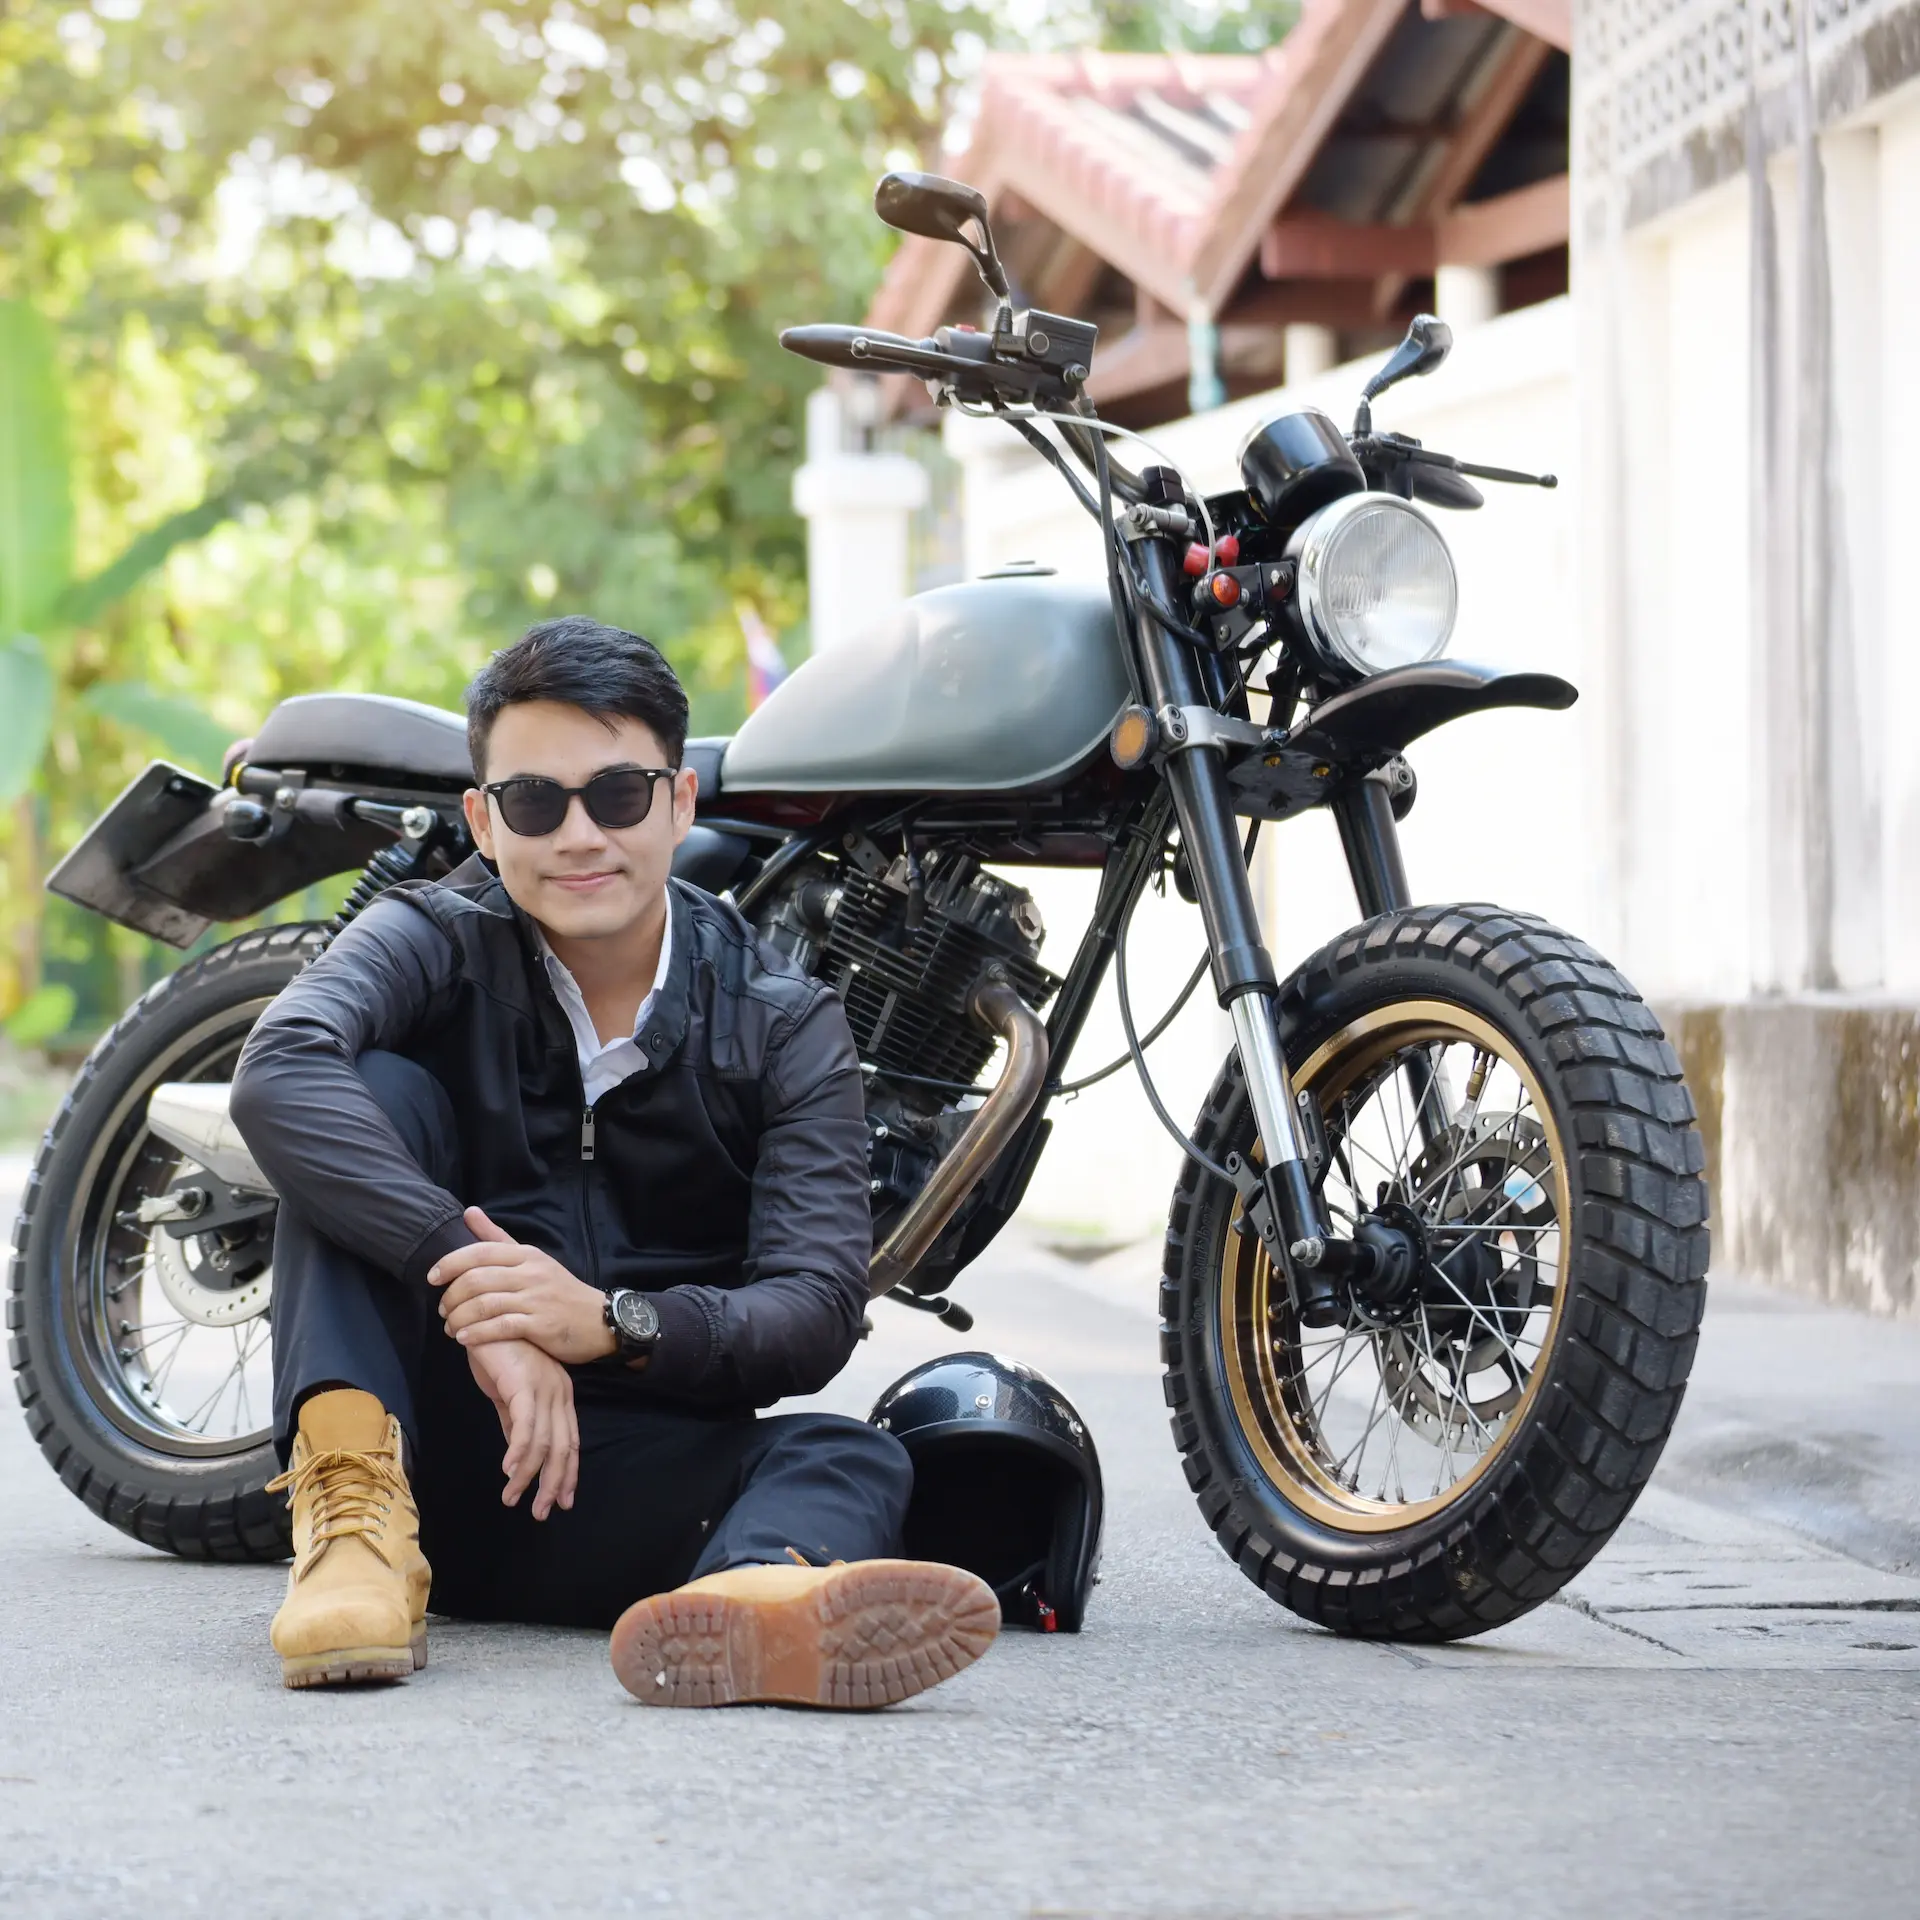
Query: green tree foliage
x=1191 y=26
x=389 y=325
x=467 y=312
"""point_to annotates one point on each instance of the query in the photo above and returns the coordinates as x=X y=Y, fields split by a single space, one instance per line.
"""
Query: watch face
x=634 y=1314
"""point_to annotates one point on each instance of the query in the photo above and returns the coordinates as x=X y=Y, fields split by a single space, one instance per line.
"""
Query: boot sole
x=879 y=1633
x=354 y=1666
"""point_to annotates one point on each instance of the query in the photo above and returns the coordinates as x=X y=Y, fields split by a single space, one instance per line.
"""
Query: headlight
x=1376 y=583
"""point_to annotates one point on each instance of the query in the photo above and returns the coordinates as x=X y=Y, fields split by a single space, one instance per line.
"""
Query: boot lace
x=353 y=1493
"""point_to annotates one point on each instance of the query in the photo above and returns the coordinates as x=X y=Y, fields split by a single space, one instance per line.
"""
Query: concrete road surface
x=1721 y=1718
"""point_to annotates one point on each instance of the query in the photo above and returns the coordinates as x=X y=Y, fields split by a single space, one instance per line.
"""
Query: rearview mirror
x=1428 y=342
x=926 y=203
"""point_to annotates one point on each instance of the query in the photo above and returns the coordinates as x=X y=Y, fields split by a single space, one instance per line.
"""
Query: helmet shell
x=1006 y=1482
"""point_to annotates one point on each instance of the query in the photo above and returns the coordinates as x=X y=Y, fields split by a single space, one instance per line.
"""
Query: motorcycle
x=1436 y=1255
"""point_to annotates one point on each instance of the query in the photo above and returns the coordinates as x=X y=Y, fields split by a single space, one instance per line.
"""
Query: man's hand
x=498 y=1289
x=533 y=1395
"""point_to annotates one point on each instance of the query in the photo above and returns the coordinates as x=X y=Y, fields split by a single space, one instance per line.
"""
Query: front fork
x=1243 y=972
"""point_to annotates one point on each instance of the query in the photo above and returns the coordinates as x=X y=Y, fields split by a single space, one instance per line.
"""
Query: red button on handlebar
x=1195 y=562
x=1227 y=550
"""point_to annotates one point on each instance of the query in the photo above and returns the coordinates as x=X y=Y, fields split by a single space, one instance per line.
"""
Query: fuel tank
x=983 y=686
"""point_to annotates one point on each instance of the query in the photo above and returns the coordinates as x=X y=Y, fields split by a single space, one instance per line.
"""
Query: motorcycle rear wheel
x=177 y=1456
x=1434 y=1466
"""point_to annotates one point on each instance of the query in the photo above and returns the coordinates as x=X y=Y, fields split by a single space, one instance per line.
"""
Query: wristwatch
x=634 y=1322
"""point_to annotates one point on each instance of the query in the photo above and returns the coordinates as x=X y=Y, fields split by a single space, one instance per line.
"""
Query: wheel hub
x=217 y=1278
x=1386 y=1282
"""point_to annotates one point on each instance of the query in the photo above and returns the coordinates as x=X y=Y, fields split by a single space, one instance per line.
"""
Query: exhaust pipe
x=192 y=1116
x=994 y=1003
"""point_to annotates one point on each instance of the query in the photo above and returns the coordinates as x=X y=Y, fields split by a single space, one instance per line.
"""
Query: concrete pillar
x=1309 y=351
x=859 y=509
x=1205 y=388
x=1465 y=296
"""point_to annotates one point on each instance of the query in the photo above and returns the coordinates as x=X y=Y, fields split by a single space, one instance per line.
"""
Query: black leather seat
x=377 y=732
x=373 y=731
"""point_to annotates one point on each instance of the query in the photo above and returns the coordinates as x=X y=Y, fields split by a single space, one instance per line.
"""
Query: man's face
x=583 y=881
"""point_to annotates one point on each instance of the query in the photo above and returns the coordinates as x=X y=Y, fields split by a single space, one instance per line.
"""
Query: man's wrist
x=599 y=1343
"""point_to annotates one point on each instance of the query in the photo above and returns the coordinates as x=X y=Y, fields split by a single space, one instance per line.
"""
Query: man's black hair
x=579 y=663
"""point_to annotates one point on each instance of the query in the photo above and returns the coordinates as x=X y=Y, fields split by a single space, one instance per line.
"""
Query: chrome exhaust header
x=995 y=1004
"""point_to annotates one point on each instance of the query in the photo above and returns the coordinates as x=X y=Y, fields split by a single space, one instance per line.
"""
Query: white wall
x=1500 y=798
x=1896 y=405
x=1698 y=794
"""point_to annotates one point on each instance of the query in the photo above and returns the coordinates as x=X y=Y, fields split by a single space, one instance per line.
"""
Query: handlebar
x=867 y=350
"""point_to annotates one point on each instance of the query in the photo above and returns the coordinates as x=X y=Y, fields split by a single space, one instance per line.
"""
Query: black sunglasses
x=532 y=805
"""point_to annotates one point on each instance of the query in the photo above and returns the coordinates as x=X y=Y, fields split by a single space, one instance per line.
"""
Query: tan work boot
x=356 y=1604
x=863 y=1633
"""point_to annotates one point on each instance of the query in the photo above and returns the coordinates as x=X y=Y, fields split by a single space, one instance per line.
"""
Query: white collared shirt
x=604 y=1064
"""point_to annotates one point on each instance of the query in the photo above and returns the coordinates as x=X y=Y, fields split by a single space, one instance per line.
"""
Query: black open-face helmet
x=1006 y=1483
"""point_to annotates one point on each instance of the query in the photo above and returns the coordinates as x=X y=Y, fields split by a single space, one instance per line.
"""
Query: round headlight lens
x=1376 y=583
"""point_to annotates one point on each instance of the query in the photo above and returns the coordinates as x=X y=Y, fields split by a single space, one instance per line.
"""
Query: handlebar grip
x=834 y=346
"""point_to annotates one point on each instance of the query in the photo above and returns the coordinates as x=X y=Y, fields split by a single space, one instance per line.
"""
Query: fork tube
x=1243 y=974
x=1371 y=837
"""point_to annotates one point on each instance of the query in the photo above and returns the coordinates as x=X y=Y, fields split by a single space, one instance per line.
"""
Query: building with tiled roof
x=1217 y=214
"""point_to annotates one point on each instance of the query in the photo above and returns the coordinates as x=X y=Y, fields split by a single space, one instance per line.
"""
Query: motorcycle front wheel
x=1444 y=1457
x=143 y=1358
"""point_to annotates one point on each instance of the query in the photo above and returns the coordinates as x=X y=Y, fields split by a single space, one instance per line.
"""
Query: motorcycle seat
x=374 y=731
x=401 y=737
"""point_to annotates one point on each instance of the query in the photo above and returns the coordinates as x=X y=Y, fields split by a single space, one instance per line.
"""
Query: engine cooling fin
x=906 y=986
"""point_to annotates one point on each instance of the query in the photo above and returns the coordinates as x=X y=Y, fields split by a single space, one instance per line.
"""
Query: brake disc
x=204 y=1279
x=1452 y=1373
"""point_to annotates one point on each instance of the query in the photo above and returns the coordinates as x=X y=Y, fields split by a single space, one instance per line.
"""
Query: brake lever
x=1398 y=446
x=1507 y=475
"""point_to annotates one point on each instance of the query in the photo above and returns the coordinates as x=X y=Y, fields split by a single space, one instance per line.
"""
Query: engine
x=902 y=940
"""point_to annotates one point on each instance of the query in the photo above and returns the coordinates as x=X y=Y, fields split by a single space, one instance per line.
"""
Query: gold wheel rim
x=1267 y=1371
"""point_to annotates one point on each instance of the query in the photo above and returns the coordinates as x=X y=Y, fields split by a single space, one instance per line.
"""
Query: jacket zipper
x=586 y=1146
x=586 y=1194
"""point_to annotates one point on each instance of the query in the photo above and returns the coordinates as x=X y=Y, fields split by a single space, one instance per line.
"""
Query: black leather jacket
x=727 y=1180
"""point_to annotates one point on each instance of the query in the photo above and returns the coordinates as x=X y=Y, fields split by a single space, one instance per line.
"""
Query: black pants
x=665 y=1495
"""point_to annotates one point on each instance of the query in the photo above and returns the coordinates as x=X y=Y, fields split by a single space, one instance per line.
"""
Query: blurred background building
x=1673 y=241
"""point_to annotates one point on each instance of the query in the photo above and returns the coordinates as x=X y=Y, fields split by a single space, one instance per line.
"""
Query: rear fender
x=161 y=861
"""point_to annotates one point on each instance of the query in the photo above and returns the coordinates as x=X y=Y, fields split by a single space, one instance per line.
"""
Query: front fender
x=1370 y=723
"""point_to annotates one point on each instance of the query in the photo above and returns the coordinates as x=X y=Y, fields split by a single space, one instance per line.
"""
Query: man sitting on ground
x=565 y=1153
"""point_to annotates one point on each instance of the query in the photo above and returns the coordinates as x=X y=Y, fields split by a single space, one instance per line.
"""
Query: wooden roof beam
x=1320 y=63
x=1146 y=357
x=1341 y=304
x=1488 y=233
x=1316 y=246
x=1548 y=20
x=1482 y=123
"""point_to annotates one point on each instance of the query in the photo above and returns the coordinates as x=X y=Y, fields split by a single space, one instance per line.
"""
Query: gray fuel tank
x=991 y=684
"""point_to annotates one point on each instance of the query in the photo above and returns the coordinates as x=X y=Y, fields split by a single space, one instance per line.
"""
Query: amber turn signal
x=1133 y=738
x=1225 y=590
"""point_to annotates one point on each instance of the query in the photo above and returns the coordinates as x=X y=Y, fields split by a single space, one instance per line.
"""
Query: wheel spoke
x=143 y=1359
x=1447 y=1126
